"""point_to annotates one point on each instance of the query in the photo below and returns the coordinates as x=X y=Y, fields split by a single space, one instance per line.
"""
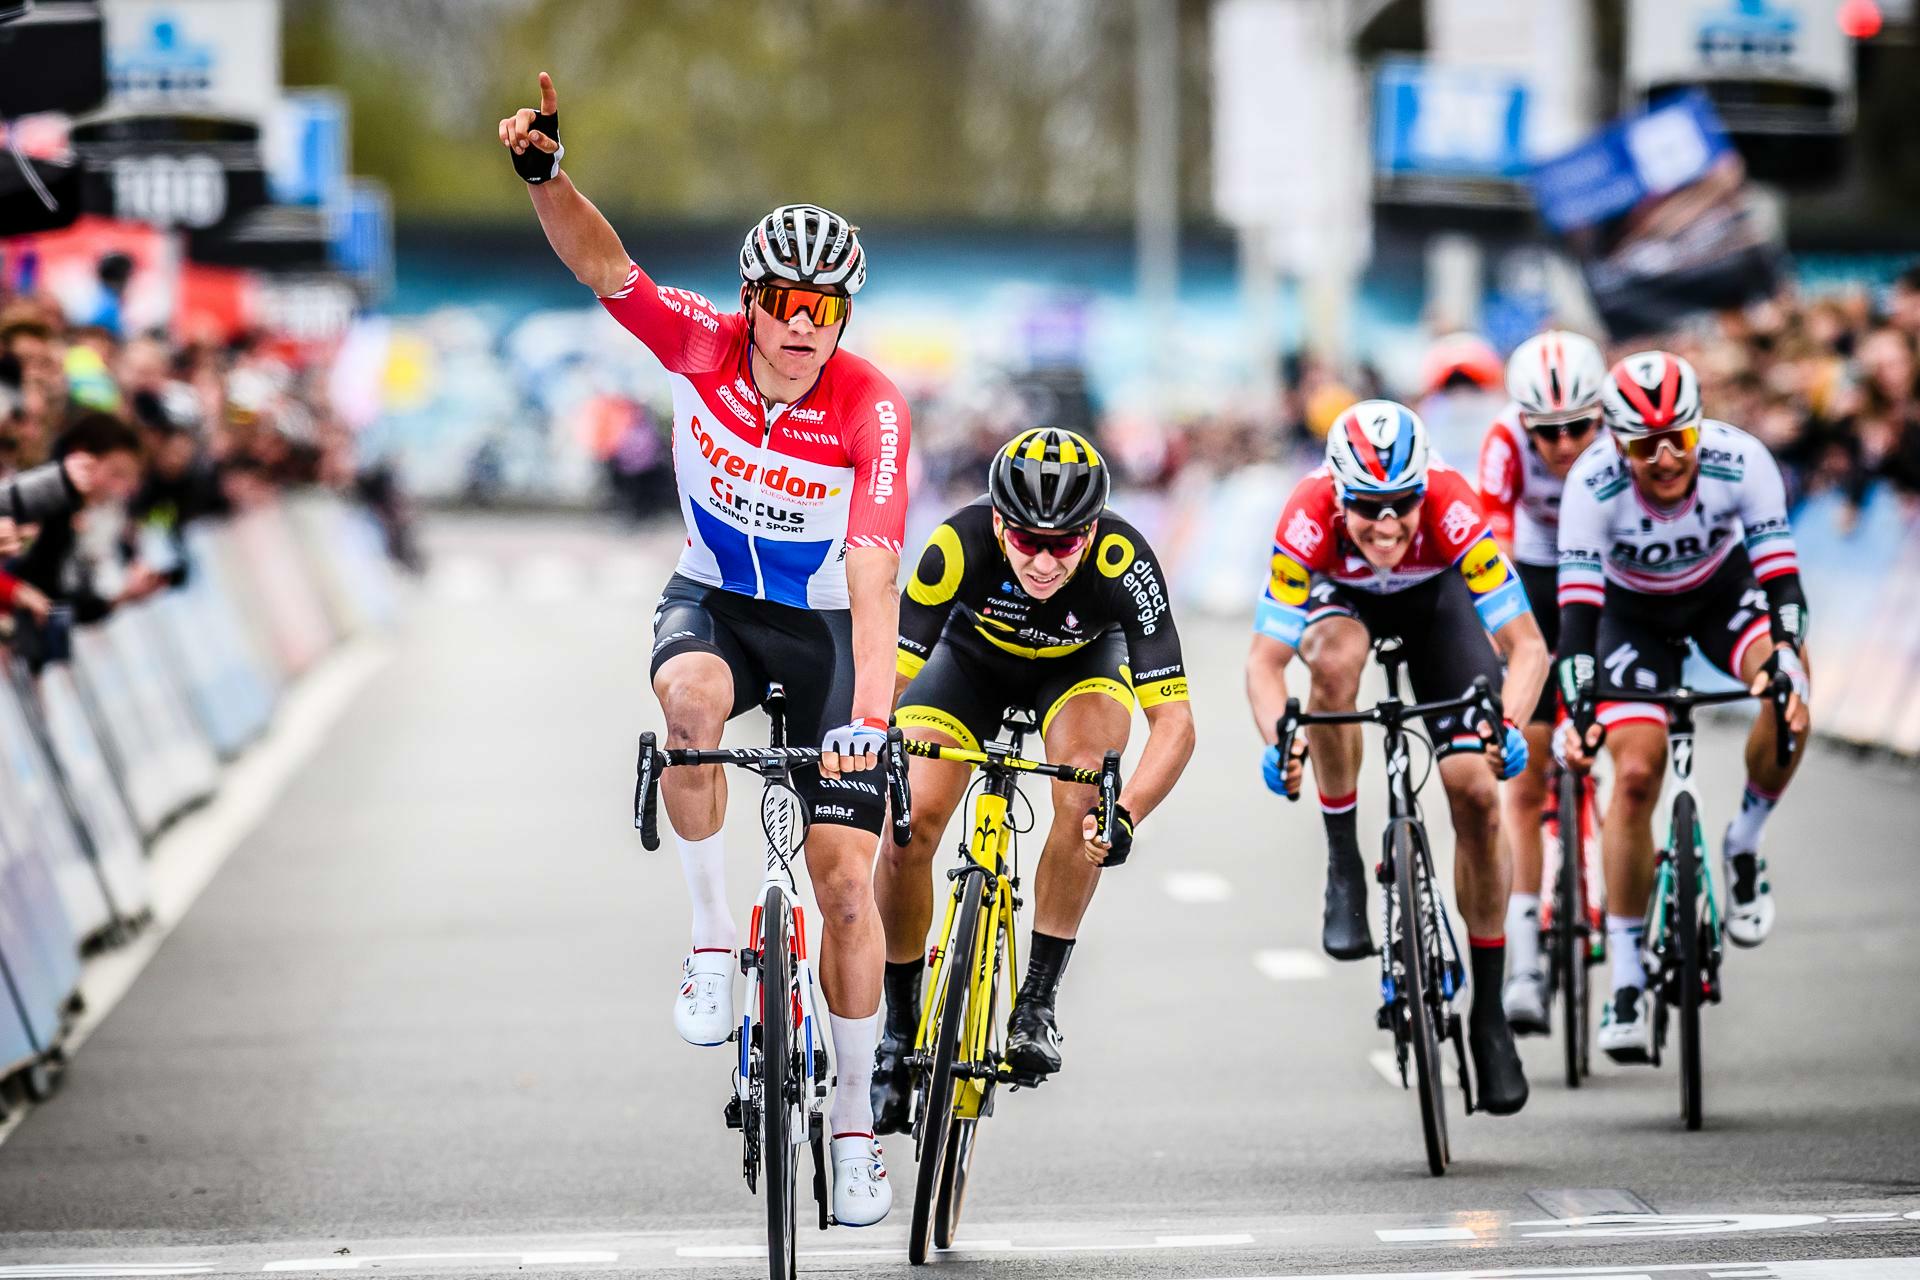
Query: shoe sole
x=1629 y=1057
x=1030 y=1064
x=1348 y=953
x=1529 y=1026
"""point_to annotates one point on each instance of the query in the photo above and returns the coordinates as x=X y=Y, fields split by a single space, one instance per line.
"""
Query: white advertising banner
x=218 y=56
x=1682 y=42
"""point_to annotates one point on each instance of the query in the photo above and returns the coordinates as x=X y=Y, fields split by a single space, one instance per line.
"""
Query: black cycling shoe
x=1502 y=1083
x=1033 y=1038
x=1343 y=927
x=892 y=1090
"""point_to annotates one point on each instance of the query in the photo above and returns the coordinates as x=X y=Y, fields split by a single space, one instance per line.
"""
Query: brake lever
x=1109 y=796
x=1781 y=691
x=1285 y=731
x=899 y=796
x=646 y=793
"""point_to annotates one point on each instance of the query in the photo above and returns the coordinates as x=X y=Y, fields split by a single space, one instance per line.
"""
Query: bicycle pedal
x=732 y=1113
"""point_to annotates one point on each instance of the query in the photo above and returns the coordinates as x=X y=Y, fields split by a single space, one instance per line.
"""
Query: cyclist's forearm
x=1170 y=738
x=582 y=237
x=875 y=601
x=1267 y=683
x=1525 y=652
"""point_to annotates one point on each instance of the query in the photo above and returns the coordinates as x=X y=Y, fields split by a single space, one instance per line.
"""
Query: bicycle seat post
x=775 y=703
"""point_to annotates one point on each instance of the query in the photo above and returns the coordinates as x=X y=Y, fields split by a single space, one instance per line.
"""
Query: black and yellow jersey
x=963 y=590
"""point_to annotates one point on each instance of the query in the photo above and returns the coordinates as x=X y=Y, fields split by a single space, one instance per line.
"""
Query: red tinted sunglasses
x=784 y=304
x=1058 y=545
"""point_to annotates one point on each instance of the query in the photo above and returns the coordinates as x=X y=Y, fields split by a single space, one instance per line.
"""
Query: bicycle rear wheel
x=1420 y=982
x=779 y=1085
x=935 y=1121
x=1688 y=921
x=1570 y=927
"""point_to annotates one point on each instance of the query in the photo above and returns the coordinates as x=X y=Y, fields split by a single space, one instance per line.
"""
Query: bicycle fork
x=1657 y=936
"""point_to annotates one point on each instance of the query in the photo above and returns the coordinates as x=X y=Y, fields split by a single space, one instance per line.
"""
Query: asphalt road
x=420 y=1022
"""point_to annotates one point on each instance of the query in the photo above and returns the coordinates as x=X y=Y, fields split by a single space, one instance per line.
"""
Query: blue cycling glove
x=1513 y=754
x=1273 y=771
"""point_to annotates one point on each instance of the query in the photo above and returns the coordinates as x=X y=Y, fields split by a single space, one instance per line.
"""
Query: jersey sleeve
x=1302 y=543
x=879 y=432
x=685 y=331
x=1452 y=516
x=936 y=583
x=1500 y=480
x=1138 y=589
x=1769 y=541
x=1582 y=582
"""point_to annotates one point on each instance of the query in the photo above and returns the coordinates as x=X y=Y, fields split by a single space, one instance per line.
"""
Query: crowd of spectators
x=112 y=443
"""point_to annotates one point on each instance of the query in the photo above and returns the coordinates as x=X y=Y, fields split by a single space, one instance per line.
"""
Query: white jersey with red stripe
x=772 y=496
x=1610 y=534
x=1520 y=495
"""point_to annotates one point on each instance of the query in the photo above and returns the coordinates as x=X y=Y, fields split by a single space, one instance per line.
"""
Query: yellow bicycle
x=956 y=1059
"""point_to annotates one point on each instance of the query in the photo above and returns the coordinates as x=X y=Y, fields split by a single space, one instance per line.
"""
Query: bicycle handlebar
x=1778 y=693
x=646 y=787
x=1391 y=711
x=1106 y=777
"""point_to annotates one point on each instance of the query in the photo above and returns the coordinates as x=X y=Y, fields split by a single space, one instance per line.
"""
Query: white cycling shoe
x=1626 y=1026
x=703 y=1009
x=1525 y=1000
x=861 y=1193
x=1749 y=899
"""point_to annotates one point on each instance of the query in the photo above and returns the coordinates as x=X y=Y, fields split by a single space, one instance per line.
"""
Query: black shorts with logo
x=966 y=684
x=1442 y=637
x=809 y=651
x=1643 y=638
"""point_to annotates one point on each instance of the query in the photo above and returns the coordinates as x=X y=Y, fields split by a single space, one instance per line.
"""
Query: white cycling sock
x=1623 y=944
x=704 y=865
x=1523 y=933
x=1743 y=834
x=854 y=1040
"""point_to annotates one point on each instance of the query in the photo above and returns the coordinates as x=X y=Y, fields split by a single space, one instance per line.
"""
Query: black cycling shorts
x=1441 y=636
x=1643 y=638
x=1542 y=583
x=809 y=651
x=965 y=687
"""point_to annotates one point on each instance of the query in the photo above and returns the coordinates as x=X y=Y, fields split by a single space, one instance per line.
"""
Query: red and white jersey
x=1609 y=534
x=772 y=497
x=1520 y=496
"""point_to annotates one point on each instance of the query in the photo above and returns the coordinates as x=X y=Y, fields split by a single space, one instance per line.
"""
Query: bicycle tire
x=779 y=1154
x=943 y=1046
x=1415 y=946
x=1570 y=927
x=962 y=1141
x=1685 y=939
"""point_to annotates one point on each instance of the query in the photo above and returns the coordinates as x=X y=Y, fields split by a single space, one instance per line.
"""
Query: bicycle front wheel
x=779 y=1085
x=1420 y=979
x=964 y=1138
x=935 y=1122
x=1688 y=922
x=1570 y=926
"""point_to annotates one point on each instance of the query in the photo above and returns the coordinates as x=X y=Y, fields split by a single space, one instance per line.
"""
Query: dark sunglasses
x=1058 y=545
x=1378 y=506
x=784 y=304
x=1573 y=429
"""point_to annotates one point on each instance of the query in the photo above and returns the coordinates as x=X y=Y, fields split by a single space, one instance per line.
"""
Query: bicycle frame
x=1658 y=943
x=784 y=825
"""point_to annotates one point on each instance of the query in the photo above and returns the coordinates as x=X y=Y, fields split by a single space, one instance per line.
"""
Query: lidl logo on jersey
x=1287 y=580
x=1484 y=567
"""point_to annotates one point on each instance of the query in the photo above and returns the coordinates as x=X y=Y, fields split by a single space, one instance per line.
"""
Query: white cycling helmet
x=1650 y=391
x=804 y=244
x=1377 y=446
x=1555 y=375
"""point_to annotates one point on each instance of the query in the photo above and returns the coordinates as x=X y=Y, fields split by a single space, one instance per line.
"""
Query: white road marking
x=356 y=1261
x=51 y=1270
x=1203 y=1242
x=1196 y=887
x=1818 y=1269
x=1415 y=1235
x=1666 y=1224
x=1588 y=1202
x=567 y=1257
x=1289 y=965
x=194 y=848
x=730 y=1251
x=1865 y=1217
x=1384 y=1062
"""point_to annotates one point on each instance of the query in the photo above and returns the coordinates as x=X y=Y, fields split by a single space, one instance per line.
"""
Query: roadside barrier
x=101 y=750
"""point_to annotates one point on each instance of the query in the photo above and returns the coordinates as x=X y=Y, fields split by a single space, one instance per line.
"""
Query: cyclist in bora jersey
x=1676 y=529
x=1553 y=381
x=1034 y=595
x=790 y=456
x=1379 y=542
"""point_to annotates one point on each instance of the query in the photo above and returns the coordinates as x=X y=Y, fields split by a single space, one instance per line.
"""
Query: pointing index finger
x=549 y=101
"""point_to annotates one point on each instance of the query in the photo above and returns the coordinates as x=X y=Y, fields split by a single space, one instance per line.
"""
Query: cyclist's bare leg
x=1335 y=651
x=1522 y=800
x=1639 y=752
x=696 y=693
x=852 y=944
x=1481 y=874
x=1082 y=731
x=903 y=881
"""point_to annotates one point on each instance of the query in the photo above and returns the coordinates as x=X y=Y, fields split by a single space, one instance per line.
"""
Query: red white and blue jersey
x=772 y=497
x=1311 y=539
x=1609 y=534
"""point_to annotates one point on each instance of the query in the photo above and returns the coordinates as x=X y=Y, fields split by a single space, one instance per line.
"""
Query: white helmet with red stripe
x=1556 y=373
x=1651 y=391
x=1377 y=446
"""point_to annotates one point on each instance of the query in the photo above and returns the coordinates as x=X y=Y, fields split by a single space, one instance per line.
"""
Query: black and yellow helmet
x=1048 y=478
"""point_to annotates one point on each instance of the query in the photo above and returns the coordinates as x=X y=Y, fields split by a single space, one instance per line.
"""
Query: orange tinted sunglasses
x=783 y=304
x=1646 y=448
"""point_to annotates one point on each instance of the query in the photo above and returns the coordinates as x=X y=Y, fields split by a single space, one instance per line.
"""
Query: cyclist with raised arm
x=1035 y=595
x=1553 y=381
x=790 y=454
x=1675 y=530
x=1381 y=542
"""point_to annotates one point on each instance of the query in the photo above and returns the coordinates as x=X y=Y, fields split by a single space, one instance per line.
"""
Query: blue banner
x=1649 y=154
x=1449 y=121
x=307 y=150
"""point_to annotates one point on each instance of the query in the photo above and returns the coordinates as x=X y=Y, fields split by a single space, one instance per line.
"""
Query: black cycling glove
x=533 y=164
x=1122 y=832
